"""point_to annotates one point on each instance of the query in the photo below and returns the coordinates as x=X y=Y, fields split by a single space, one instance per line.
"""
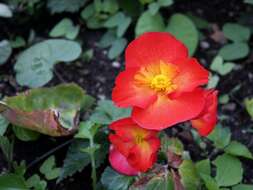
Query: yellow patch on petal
x=158 y=77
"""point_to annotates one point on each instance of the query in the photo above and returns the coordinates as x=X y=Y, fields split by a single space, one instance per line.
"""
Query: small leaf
x=56 y=6
x=234 y=51
x=87 y=130
x=34 y=182
x=149 y=23
x=52 y=111
x=114 y=181
x=107 y=39
x=235 y=148
x=224 y=99
x=189 y=175
x=5 y=51
x=88 y=11
x=3 y=125
x=229 y=170
x=49 y=169
x=210 y=183
x=117 y=48
x=7 y=148
x=106 y=112
x=172 y=144
x=5 y=11
x=242 y=187
x=12 y=182
x=18 y=42
x=153 y=8
x=165 y=3
x=249 y=106
x=220 y=67
x=25 y=134
x=220 y=136
x=185 y=30
x=204 y=167
x=213 y=81
x=236 y=32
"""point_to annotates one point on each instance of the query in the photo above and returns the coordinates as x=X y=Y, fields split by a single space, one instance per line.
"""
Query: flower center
x=162 y=83
x=138 y=139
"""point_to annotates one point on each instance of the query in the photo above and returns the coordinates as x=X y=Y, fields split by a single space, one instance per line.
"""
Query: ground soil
x=97 y=78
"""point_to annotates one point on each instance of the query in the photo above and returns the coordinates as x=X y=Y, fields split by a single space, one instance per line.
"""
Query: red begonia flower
x=119 y=162
x=160 y=82
x=206 y=120
x=139 y=146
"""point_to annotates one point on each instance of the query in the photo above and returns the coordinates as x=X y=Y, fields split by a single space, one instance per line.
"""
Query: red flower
x=160 y=82
x=120 y=163
x=139 y=146
x=206 y=120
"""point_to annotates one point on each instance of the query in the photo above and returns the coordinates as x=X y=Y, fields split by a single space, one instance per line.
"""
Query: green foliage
x=5 y=11
x=36 y=183
x=7 y=148
x=185 y=30
x=189 y=175
x=249 y=106
x=220 y=136
x=56 y=6
x=5 y=51
x=210 y=182
x=3 y=125
x=12 y=182
x=106 y=112
x=237 y=149
x=49 y=169
x=204 y=167
x=25 y=134
x=172 y=144
x=213 y=81
x=220 y=67
x=236 y=32
x=114 y=181
x=65 y=28
x=234 y=51
x=149 y=23
x=18 y=42
x=229 y=170
x=34 y=66
x=242 y=187
x=117 y=48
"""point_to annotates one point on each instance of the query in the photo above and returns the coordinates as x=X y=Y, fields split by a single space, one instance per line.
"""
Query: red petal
x=191 y=75
x=166 y=112
x=142 y=156
x=126 y=93
x=206 y=121
x=151 y=47
x=119 y=163
x=122 y=146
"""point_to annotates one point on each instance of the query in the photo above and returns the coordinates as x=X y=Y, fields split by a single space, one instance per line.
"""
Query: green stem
x=93 y=165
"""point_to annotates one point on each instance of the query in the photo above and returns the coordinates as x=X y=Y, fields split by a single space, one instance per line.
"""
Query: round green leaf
x=5 y=51
x=234 y=51
x=229 y=170
x=185 y=30
x=237 y=149
x=236 y=32
x=149 y=23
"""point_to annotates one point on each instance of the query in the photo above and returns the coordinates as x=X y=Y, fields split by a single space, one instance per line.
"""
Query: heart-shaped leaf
x=49 y=169
x=34 y=66
x=220 y=67
x=236 y=32
x=52 y=111
x=234 y=51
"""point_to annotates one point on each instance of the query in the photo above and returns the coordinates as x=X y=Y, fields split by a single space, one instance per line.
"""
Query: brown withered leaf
x=174 y=160
x=51 y=111
x=177 y=181
x=217 y=35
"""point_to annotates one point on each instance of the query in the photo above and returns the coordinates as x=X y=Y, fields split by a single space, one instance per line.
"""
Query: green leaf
x=235 y=148
x=220 y=67
x=12 y=182
x=88 y=11
x=107 y=39
x=189 y=176
x=49 y=169
x=220 y=136
x=249 y=106
x=123 y=26
x=52 y=111
x=106 y=112
x=7 y=148
x=165 y=3
x=199 y=22
x=3 y=125
x=114 y=20
x=153 y=8
x=185 y=30
x=109 y=6
x=242 y=186
x=234 y=51
x=34 y=66
x=57 y=6
x=34 y=182
x=229 y=170
x=213 y=81
x=87 y=130
x=204 y=167
x=149 y=23
x=236 y=32
x=248 y=1
x=25 y=134
x=5 y=51
x=5 y=11
x=224 y=99
x=75 y=160
x=18 y=42
x=160 y=183
x=172 y=144
x=210 y=183
x=114 y=181
x=66 y=29
x=117 y=48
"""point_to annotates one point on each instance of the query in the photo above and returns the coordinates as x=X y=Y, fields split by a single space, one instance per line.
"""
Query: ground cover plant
x=118 y=95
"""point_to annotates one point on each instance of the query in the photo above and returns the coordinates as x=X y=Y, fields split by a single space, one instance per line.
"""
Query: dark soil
x=97 y=78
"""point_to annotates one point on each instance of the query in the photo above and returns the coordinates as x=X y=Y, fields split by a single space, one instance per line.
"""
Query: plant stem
x=93 y=165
